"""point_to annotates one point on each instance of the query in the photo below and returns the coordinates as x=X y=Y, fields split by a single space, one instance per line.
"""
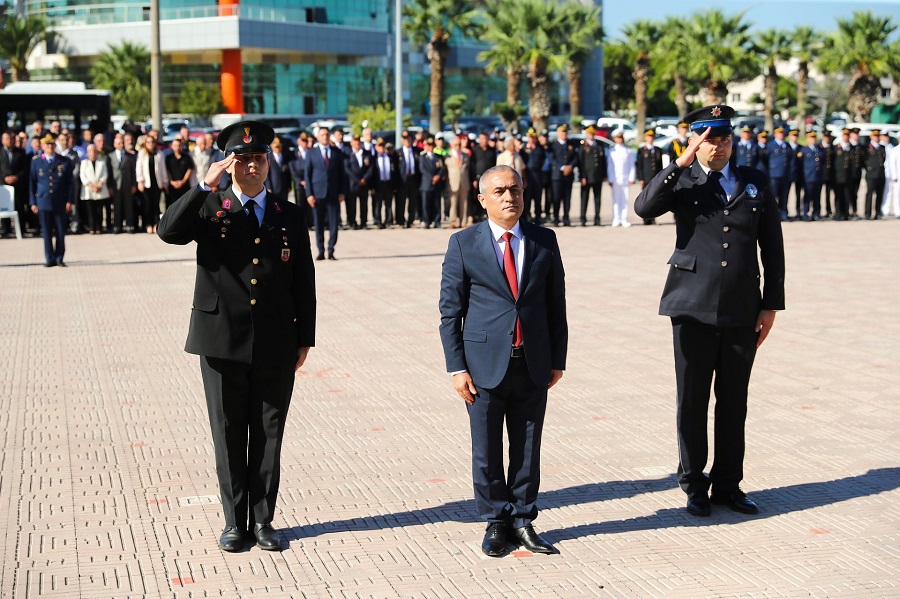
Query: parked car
x=628 y=128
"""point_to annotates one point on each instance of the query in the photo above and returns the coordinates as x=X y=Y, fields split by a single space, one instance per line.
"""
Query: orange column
x=227 y=8
x=232 y=82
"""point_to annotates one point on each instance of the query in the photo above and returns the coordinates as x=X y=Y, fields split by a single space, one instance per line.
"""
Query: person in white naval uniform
x=620 y=171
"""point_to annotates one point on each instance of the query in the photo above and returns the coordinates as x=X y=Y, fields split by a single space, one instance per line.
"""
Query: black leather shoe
x=532 y=541
x=267 y=537
x=60 y=263
x=331 y=257
x=232 y=539
x=698 y=505
x=494 y=543
x=320 y=257
x=49 y=264
x=736 y=500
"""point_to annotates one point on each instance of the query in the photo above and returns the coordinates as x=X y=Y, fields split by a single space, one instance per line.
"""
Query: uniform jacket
x=254 y=297
x=744 y=154
x=875 y=159
x=457 y=174
x=620 y=165
x=648 y=163
x=828 y=155
x=714 y=274
x=356 y=171
x=325 y=181
x=478 y=312
x=813 y=160
x=843 y=159
x=94 y=172
x=676 y=149
x=50 y=185
x=778 y=159
x=534 y=159
x=430 y=167
x=592 y=162
x=761 y=159
x=561 y=154
x=278 y=181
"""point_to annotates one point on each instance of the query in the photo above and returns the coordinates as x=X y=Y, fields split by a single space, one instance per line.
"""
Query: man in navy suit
x=278 y=182
x=297 y=168
x=724 y=215
x=433 y=174
x=50 y=197
x=358 y=165
x=325 y=189
x=407 y=204
x=504 y=333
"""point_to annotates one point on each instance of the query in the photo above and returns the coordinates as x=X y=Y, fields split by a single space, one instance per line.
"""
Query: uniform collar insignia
x=277 y=207
x=226 y=204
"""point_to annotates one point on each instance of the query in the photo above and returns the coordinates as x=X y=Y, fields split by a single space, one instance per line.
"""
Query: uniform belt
x=517 y=352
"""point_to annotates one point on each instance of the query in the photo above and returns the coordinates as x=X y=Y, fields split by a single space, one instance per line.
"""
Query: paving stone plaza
x=107 y=480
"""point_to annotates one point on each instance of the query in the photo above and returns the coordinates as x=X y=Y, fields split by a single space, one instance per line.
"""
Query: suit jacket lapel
x=486 y=249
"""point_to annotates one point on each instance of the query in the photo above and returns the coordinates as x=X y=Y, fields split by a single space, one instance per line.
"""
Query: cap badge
x=716 y=111
x=247 y=138
x=751 y=190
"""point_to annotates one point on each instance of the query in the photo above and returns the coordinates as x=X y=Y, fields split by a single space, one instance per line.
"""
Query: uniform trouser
x=702 y=350
x=247 y=405
x=562 y=197
x=853 y=194
x=407 y=202
x=53 y=228
x=620 y=203
x=459 y=204
x=812 y=192
x=798 y=196
x=828 y=187
x=874 y=191
x=357 y=202
x=585 y=193
x=841 y=204
x=123 y=209
x=780 y=189
x=895 y=200
x=431 y=207
x=547 y=206
x=517 y=400
x=327 y=209
x=886 y=196
x=384 y=193
x=533 y=196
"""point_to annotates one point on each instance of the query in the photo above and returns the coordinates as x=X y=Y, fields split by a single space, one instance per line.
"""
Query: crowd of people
x=123 y=181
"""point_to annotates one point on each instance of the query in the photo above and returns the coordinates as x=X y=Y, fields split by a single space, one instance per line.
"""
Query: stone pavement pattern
x=107 y=485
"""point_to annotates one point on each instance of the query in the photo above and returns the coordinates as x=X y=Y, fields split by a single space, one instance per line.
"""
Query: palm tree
x=672 y=58
x=507 y=47
x=585 y=34
x=642 y=36
x=124 y=70
x=543 y=52
x=772 y=46
x=722 y=51
x=806 y=45
x=432 y=23
x=861 y=49
x=18 y=39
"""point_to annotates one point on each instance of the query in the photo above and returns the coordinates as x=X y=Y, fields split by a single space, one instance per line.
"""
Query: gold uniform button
x=253 y=281
x=725 y=245
x=724 y=263
x=725 y=229
x=256 y=241
x=255 y=260
x=253 y=302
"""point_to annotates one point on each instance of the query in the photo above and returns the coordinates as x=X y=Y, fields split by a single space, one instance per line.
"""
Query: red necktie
x=509 y=269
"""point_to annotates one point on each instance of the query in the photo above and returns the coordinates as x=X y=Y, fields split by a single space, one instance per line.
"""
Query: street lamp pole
x=398 y=72
x=155 y=89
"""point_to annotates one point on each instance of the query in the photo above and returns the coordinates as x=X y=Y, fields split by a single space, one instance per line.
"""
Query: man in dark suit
x=410 y=179
x=719 y=319
x=252 y=323
x=563 y=161
x=385 y=181
x=535 y=156
x=359 y=168
x=14 y=172
x=505 y=336
x=50 y=197
x=297 y=168
x=278 y=182
x=122 y=169
x=433 y=174
x=326 y=185
x=873 y=160
x=592 y=169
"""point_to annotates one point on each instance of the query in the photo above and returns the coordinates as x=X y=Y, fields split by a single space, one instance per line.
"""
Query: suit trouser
x=874 y=191
x=123 y=208
x=781 y=187
x=586 y=190
x=357 y=202
x=522 y=404
x=384 y=192
x=431 y=207
x=50 y=220
x=853 y=194
x=330 y=209
x=407 y=202
x=459 y=204
x=247 y=405
x=702 y=350
x=562 y=196
x=812 y=193
x=533 y=196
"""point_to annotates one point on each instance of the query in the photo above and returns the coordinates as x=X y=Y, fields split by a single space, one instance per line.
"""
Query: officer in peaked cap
x=724 y=216
x=252 y=323
x=50 y=197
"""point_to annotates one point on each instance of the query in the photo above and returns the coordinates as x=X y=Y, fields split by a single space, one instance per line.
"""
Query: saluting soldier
x=648 y=163
x=252 y=324
x=761 y=157
x=813 y=159
x=745 y=149
x=50 y=197
x=843 y=159
x=828 y=150
x=679 y=144
x=592 y=168
x=535 y=156
x=563 y=161
x=875 y=158
x=779 y=156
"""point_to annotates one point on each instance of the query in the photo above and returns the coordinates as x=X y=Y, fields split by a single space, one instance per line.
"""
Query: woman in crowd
x=152 y=179
x=94 y=191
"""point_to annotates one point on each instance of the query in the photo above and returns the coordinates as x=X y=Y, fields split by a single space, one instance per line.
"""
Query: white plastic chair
x=8 y=208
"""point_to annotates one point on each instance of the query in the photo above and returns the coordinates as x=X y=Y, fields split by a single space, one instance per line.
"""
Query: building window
x=735 y=97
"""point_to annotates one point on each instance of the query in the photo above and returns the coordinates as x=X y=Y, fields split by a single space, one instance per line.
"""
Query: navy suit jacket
x=478 y=312
x=278 y=181
x=325 y=182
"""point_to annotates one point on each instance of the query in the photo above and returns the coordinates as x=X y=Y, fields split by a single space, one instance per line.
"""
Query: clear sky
x=763 y=14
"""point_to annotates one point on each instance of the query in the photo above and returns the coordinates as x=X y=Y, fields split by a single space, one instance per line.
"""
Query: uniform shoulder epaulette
x=34 y=157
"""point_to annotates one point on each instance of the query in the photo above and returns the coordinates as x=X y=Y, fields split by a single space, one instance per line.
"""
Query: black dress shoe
x=60 y=263
x=736 y=500
x=494 y=543
x=49 y=264
x=320 y=257
x=698 y=505
x=267 y=537
x=532 y=541
x=331 y=256
x=232 y=539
